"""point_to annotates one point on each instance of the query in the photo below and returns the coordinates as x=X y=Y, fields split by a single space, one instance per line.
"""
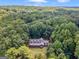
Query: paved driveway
x=3 y=58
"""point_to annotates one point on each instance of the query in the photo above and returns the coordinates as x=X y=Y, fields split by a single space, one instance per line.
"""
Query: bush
x=22 y=52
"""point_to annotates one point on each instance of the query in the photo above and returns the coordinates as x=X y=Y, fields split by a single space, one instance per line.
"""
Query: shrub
x=22 y=52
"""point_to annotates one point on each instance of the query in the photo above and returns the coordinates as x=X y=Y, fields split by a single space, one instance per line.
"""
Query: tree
x=77 y=44
x=62 y=56
x=12 y=34
x=39 y=29
x=65 y=33
x=22 y=52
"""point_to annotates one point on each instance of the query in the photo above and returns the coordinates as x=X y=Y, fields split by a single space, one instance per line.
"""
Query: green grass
x=37 y=51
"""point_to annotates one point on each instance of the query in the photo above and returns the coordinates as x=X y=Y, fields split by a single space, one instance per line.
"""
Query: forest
x=60 y=26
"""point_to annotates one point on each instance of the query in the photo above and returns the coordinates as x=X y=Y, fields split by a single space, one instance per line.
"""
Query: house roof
x=38 y=42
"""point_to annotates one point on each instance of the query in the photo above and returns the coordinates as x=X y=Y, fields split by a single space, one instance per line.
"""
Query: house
x=38 y=42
